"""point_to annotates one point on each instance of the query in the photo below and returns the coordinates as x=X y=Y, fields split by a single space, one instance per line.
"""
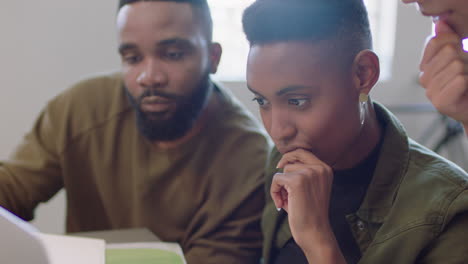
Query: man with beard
x=157 y=146
x=346 y=184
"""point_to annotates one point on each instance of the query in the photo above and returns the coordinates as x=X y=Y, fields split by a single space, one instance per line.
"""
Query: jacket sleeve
x=32 y=173
x=451 y=246
x=227 y=229
x=237 y=240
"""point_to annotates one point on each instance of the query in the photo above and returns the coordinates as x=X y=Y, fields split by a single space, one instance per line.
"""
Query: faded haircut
x=343 y=22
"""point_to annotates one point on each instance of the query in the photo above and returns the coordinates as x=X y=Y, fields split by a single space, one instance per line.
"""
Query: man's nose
x=152 y=75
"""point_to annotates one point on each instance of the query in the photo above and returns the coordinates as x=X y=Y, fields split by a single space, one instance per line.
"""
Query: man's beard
x=188 y=109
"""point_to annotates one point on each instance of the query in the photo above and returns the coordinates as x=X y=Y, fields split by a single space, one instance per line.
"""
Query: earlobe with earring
x=363 y=98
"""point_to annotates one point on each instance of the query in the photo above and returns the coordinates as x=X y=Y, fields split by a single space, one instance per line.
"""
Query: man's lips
x=156 y=104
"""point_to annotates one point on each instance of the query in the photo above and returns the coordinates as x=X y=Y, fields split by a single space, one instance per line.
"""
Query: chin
x=158 y=116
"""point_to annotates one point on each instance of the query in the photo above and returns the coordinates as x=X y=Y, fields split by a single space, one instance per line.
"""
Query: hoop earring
x=363 y=98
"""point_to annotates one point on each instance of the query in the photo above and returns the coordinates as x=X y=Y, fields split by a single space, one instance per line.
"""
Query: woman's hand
x=303 y=191
x=444 y=74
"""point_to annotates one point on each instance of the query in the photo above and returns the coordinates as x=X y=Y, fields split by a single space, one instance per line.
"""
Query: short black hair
x=199 y=5
x=343 y=21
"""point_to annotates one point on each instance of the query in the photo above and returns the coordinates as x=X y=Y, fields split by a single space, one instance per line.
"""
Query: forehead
x=289 y=63
x=158 y=20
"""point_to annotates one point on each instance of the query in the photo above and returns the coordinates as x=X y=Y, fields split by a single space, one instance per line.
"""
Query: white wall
x=48 y=45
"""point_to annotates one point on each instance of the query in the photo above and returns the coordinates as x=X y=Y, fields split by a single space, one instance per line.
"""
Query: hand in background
x=444 y=75
x=303 y=191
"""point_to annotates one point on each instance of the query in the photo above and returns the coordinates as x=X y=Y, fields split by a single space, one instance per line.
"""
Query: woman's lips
x=286 y=149
x=441 y=16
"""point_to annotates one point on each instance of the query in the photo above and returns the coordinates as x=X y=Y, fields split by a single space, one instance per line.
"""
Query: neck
x=367 y=140
x=199 y=124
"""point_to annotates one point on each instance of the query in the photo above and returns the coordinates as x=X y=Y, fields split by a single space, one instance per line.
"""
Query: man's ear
x=366 y=70
x=215 y=56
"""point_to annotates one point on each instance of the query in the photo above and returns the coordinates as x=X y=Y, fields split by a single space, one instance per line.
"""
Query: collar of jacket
x=389 y=171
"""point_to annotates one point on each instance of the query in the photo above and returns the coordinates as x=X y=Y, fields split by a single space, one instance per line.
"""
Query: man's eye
x=133 y=59
x=297 y=102
x=175 y=55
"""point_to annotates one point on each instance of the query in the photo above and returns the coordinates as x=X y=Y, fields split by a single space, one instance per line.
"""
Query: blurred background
x=46 y=46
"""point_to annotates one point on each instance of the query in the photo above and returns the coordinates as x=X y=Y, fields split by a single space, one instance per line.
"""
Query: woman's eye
x=260 y=101
x=297 y=102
